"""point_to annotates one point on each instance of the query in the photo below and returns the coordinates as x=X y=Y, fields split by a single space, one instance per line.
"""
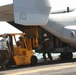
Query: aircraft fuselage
x=63 y=26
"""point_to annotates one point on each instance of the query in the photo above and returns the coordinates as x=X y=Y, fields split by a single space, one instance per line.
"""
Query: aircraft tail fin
x=31 y=12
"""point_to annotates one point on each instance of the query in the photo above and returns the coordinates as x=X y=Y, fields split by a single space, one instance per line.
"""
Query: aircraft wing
x=6 y=13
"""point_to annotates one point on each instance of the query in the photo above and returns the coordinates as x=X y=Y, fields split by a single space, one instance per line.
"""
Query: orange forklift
x=22 y=55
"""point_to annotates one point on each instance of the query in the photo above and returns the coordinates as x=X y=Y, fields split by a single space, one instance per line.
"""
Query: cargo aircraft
x=27 y=15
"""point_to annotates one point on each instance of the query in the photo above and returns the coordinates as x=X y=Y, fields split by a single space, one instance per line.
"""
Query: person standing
x=4 y=52
x=46 y=47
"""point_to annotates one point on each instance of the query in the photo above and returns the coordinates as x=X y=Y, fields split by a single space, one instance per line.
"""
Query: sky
x=4 y=26
x=56 y=5
x=62 y=4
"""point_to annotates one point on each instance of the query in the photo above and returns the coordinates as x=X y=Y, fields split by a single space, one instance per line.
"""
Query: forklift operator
x=19 y=42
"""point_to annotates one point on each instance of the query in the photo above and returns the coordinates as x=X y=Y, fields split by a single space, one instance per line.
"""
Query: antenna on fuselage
x=68 y=9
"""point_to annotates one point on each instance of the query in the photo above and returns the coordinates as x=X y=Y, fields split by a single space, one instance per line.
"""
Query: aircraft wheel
x=69 y=55
x=34 y=60
x=63 y=56
x=66 y=56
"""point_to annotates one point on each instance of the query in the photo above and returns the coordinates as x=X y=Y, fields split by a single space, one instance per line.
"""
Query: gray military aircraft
x=61 y=25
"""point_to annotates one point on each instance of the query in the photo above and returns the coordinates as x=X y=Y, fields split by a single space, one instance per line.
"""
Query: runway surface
x=68 y=68
x=55 y=67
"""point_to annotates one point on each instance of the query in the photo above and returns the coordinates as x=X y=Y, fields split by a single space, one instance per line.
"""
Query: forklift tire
x=34 y=60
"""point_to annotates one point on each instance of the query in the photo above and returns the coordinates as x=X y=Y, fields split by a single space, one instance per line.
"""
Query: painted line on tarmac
x=51 y=68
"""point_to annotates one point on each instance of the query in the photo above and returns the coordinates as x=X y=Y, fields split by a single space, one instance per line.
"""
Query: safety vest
x=4 y=44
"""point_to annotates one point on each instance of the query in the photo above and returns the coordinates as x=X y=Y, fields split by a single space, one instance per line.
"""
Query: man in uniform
x=46 y=47
x=4 y=52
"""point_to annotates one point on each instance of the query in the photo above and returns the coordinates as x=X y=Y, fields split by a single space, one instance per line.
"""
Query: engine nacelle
x=31 y=12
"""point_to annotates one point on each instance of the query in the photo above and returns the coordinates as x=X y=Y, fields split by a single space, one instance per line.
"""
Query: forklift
x=22 y=55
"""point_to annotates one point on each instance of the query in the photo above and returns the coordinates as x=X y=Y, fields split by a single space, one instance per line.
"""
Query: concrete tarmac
x=50 y=68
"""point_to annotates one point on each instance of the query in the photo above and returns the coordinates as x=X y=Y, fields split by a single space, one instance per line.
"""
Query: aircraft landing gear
x=66 y=56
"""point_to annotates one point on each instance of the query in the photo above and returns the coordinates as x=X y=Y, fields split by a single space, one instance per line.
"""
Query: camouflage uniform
x=4 y=59
x=4 y=55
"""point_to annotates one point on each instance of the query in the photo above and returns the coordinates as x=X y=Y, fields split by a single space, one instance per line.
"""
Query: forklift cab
x=21 y=55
